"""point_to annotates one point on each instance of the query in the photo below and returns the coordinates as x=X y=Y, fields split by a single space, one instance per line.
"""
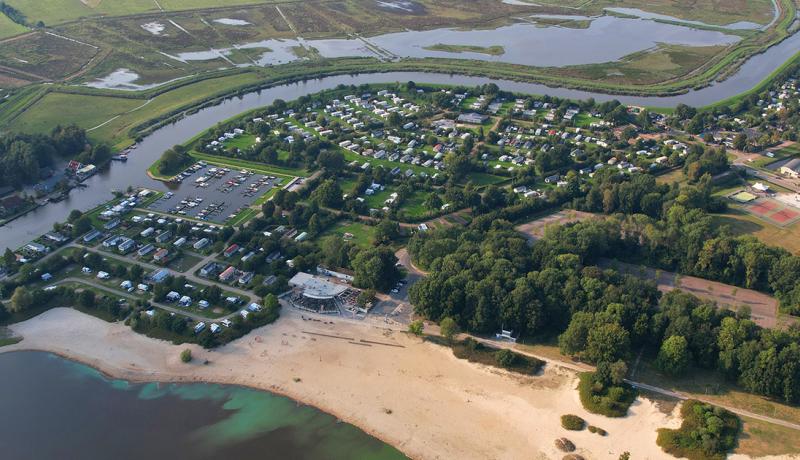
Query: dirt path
x=764 y=307
x=535 y=229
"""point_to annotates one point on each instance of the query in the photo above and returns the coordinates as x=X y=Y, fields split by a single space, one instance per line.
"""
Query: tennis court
x=762 y=207
x=773 y=211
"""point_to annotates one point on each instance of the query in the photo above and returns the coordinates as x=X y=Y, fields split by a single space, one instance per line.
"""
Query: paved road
x=163 y=306
x=189 y=275
x=791 y=184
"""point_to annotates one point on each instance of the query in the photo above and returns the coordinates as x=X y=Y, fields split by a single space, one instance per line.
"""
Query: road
x=189 y=275
x=790 y=184
x=415 y=274
x=163 y=306
x=582 y=367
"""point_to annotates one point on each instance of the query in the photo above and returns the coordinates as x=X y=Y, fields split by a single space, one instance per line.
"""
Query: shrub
x=505 y=358
x=605 y=398
x=572 y=422
x=707 y=433
x=476 y=352
x=186 y=355
x=597 y=430
x=565 y=445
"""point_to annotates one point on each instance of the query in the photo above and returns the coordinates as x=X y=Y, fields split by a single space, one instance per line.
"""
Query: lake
x=57 y=409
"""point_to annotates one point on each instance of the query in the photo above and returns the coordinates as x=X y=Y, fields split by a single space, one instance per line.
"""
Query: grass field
x=759 y=439
x=742 y=223
x=9 y=28
x=363 y=235
x=53 y=12
x=89 y=111
x=712 y=386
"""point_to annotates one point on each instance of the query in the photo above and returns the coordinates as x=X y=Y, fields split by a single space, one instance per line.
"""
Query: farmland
x=191 y=38
x=9 y=28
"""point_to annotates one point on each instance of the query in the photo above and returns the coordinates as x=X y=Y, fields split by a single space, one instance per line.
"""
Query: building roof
x=316 y=288
x=794 y=165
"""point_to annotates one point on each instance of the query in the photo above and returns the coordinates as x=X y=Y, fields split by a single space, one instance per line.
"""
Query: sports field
x=772 y=211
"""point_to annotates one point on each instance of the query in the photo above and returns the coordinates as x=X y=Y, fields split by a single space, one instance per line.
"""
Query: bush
x=476 y=352
x=565 y=445
x=597 y=430
x=707 y=433
x=186 y=355
x=505 y=358
x=572 y=422
x=603 y=398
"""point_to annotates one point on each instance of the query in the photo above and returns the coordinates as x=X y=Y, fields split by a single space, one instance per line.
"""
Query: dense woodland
x=488 y=279
x=24 y=157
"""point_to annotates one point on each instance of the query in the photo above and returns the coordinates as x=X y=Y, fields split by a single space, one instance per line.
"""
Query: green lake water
x=53 y=408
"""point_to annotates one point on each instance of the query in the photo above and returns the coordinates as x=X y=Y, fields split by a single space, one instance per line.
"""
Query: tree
x=608 y=342
x=9 y=258
x=365 y=298
x=740 y=142
x=86 y=299
x=416 y=327
x=82 y=225
x=386 y=231
x=186 y=355
x=172 y=160
x=271 y=302
x=449 y=328
x=674 y=356
x=21 y=300
x=329 y=194
x=375 y=269
x=434 y=201
x=331 y=160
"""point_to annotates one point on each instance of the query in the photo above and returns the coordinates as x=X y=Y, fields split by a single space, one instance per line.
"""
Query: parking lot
x=215 y=194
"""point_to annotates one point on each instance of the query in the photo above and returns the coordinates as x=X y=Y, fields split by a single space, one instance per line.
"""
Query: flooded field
x=608 y=38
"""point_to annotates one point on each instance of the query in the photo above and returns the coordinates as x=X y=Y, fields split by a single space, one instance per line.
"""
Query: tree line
x=24 y=156
x=491 y=279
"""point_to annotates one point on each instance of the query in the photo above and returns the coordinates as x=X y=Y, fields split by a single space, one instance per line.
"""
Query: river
x=120 y=176
x=58 y=409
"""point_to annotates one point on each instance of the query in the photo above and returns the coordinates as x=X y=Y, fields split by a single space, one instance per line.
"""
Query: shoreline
x=413 y=395
x=107 y=373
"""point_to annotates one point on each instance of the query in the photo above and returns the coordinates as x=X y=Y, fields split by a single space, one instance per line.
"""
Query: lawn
x=484 y=179
x=414 y=206
x=184 y=262
x=363 y=235
x=243 y=142
x=261 y=168
x=759 y=439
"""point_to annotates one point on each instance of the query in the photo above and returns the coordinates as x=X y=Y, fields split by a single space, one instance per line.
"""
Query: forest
x=24 y=157
x=487 y=279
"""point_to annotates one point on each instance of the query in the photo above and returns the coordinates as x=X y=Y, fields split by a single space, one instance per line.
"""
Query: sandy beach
x=414 y=395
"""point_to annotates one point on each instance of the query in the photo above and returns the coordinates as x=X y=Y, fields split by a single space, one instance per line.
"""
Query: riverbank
x=416 y=396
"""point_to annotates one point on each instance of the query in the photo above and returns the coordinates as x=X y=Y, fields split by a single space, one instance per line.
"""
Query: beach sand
x=412 y=394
